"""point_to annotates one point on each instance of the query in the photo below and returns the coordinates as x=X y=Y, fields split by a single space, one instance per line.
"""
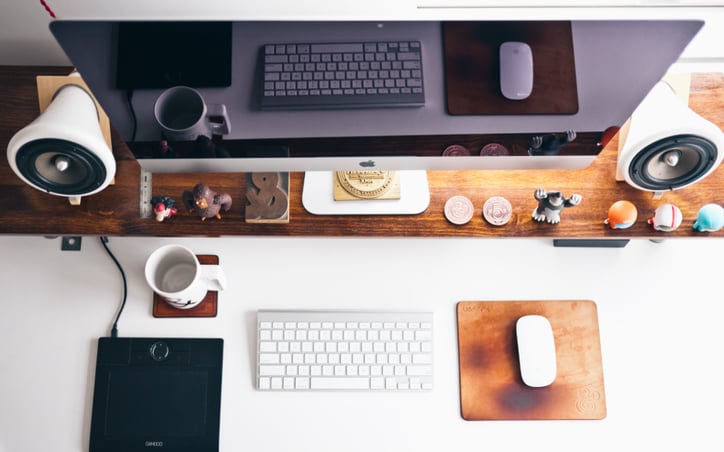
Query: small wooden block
x=207 y=308
x=267 y=198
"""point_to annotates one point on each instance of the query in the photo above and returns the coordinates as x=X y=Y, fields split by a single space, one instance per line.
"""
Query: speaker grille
x=672 y=162
x=60 y=166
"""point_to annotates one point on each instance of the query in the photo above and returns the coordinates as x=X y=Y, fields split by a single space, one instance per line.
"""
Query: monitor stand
x=318 y=196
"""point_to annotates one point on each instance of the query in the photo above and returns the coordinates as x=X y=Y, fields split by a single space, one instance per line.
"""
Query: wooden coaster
x=207 y=308
x=490 y=384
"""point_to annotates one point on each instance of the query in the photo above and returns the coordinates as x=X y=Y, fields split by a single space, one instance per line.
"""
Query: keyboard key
x=339 y=383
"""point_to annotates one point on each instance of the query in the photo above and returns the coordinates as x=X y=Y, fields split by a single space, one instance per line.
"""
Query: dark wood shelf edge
x=115 y=211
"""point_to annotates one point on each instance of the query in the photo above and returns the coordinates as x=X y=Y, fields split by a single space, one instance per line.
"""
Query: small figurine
x=204 y=147
x=165 y=150
x=163 y=207
x=621 y=215
x=206 y=202
x=550 y=144
x=551 y=204
x=710 y=218
x=667 y=217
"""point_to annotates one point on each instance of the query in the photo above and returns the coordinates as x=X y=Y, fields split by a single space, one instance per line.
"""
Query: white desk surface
x=660 y=309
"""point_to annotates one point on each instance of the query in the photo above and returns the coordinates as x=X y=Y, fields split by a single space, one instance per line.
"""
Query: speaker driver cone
x=672 y=162
x=60 y=166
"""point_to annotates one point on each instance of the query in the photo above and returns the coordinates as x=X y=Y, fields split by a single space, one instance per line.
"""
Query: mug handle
x=214 y=277
x=218 y=110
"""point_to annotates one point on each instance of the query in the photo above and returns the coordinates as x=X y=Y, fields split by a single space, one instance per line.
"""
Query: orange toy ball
x=621 y=215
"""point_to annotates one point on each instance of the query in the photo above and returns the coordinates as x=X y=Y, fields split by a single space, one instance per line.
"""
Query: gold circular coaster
x=366 y=184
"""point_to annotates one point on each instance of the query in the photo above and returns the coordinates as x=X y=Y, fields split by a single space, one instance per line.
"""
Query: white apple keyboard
x=344 y=350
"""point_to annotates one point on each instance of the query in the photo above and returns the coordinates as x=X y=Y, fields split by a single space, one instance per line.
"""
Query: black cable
x=132 y=111
x=114 y=330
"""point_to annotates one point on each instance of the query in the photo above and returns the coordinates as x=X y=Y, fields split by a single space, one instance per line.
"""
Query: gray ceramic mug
x=183 y=115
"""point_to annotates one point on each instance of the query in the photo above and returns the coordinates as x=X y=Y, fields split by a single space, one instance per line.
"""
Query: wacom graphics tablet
x=157 y=394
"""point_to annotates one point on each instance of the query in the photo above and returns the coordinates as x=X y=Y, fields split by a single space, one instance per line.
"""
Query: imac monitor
x=588 y=77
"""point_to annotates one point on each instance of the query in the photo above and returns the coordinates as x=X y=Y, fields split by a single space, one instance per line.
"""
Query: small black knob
x=159 y=351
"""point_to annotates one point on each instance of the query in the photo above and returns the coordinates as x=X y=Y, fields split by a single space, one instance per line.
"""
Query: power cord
x=114 y=329
x=132 y=112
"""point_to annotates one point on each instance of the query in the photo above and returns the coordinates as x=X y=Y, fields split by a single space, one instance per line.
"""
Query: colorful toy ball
x=667 y=217
x=710 y=218
x=621 y=215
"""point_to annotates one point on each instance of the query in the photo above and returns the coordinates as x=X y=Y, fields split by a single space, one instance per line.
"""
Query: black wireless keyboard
x=342 y=75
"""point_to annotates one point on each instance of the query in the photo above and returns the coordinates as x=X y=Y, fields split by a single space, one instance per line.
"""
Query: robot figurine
x=550 y=144
x=550 y=205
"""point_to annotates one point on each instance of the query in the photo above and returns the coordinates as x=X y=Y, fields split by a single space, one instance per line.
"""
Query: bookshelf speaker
x=63 y=151
x=667 y=146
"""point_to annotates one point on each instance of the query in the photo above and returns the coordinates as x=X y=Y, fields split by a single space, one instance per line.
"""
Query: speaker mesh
x=36 y=161
x=649 y=171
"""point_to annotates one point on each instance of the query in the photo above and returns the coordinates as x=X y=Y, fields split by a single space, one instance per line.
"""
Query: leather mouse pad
x=472 y=69
x=490 y=384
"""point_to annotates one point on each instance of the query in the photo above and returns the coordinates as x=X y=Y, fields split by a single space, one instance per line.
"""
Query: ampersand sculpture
x=266 y=200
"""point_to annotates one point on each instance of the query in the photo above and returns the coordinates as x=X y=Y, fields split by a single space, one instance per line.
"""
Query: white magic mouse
x=536 y=350
x=516 y=70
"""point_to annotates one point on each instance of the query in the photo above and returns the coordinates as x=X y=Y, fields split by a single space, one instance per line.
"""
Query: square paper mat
x=490 y=383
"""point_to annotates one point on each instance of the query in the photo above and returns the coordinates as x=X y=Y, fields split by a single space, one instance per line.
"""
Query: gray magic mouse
x=516 y=70
x=536 y=350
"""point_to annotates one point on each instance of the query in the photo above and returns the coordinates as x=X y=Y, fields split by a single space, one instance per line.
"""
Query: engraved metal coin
x=366 y=184
x=494 y=149
x=497 y=211
x=459 y=210
x=455 y=150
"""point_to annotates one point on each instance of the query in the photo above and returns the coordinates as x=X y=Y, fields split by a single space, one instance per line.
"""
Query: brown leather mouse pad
x=472 y=67
x=490 y=384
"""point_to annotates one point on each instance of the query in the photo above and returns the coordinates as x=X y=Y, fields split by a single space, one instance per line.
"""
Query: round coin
x=497 y=211
x=491 y=149
x=458 y=210
x=455 y=150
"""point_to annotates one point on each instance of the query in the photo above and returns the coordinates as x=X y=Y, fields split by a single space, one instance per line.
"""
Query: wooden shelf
x=115 y=211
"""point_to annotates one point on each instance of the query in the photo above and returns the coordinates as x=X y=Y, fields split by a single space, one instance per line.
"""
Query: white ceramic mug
x=175 y=274
x=183 y=115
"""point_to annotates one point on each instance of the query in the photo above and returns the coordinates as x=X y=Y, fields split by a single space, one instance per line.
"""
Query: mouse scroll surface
x=536 y=350
x=516 y=70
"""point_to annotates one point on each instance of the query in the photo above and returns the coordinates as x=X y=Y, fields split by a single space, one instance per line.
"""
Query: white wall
x=25 y=39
